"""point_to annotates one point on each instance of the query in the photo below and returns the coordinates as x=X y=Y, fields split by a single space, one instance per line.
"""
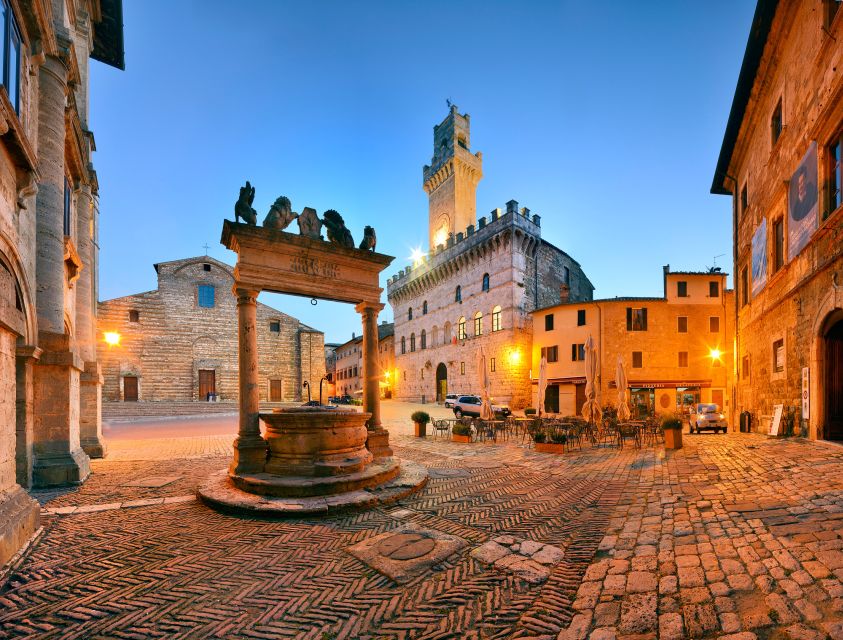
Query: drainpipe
x=738 y=294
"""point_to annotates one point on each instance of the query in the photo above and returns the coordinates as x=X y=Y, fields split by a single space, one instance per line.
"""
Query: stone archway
x=832 y=398
x=441 y=382
x=829 y=313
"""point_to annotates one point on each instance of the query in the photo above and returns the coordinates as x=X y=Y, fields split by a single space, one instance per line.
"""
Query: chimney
x=564 y=293
x=666 y=270
x=352 y=335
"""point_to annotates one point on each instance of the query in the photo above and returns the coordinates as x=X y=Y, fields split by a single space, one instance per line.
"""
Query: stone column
x=59 y=458
x=249 y=448
x=90 y=391
x=378 y=440
x=26 y=357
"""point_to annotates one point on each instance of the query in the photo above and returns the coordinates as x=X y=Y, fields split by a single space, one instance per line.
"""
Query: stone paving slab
x=734 y=536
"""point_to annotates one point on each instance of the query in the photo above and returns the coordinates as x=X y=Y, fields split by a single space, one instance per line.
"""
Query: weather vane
x=205 y=246
x=448 y=102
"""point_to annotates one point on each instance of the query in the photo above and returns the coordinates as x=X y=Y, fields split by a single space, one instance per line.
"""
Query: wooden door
x=130 y=389
x=207 y=383
x=834 y=382
x=579 y=397
x=717 y=398
x=276 y=391
x=551 y=398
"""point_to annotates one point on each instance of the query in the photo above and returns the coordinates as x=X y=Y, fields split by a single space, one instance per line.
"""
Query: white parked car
x=707 y=417
x=450 y=399
x=470 y=406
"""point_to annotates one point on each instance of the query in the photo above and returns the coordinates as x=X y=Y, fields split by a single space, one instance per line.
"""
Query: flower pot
x=550 y=447
x=458 y=438
x=421 y=429
x=673 y=438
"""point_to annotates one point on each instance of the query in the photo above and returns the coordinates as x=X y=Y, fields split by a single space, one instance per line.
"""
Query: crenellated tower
x=450 y=181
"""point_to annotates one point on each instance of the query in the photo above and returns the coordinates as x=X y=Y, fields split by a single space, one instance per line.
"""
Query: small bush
x=539 y=437
x=529 y=411
x=557 y=437
x=671 y=422
x=421 y=417
x=460 y=429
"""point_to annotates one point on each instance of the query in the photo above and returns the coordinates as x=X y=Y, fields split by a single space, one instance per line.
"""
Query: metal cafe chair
x=441 y=427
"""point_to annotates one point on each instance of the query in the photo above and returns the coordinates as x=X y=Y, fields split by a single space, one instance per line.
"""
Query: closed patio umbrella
x=485 y=385
x=591 y=408
x=620 y=379
x=542 y=385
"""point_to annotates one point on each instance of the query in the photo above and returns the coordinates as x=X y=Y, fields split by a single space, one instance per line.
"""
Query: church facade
x=179 y=342
x=475 y=287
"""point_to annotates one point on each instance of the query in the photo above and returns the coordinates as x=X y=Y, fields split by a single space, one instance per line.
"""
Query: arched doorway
x=441 y=382
x=833 y=381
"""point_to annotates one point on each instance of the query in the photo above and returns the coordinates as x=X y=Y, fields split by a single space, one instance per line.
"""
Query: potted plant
x=672 y=427
x=420 y=419
x=461 y=432
x=551 y=443
x=529 y=411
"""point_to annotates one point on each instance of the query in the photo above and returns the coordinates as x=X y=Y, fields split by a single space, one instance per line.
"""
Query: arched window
x=412 y=342
x=485 y=282
x=403 y=344
x=434 y=336
x=458 y=294
x=478 y=324
x=461 y=329
x=410 y=313
x=496 y=318
x=424 y=308
x=424 y=339
x=446 y=333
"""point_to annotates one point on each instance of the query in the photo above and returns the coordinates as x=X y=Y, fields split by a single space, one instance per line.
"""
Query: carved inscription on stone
x=310 y=266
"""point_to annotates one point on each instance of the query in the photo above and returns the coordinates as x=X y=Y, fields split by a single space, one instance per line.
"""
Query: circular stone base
x=268 y=484
x=220 y=493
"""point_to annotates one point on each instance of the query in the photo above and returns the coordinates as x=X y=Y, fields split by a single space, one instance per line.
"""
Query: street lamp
x=714 y=354
x=112 y=338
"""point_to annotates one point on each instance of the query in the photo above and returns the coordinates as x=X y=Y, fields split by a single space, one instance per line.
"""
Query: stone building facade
x=476 y=286
x=676 y=349
x=781 y=163
x=49 y=375
x=179 y=342
x=348 y=372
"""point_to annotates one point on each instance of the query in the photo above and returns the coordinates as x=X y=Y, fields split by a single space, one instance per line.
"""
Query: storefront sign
x=806 y=393
x=759 y=257
x=777 y=419
x=802 y=203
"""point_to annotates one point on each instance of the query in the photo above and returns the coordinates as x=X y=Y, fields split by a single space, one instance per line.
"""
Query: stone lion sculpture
x=337 y=231
x=280 y=214
x=370 y=240
x=243 y=206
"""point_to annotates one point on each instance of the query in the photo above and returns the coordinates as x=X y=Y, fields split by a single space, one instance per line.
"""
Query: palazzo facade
x=782 y=163
x=179 y=342
x=475 y=287
x=50 y=397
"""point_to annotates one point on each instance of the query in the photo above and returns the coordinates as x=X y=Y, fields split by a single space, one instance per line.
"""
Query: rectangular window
x=492 y=365
x=566 y=275
x=580 y=317
x=778 y=356
x=683 y=358
x=744 y=287
x=577 y=352
x=67 y=212
x=778 y=244
x=134 y=316
x=636 y=319
x=681 y=289
x=206 y=267
x=10 y=47
x=682 y=324
x=713 y=289
x=462 y=368
x=776 y=123
x=548 y=322
x=206 y=295
x=275 y=326
x=744 y=200
x=834 y=152
x=496 y=319
x=714 y=324
x=637 y=360
x=745 y=368
x=551 y=353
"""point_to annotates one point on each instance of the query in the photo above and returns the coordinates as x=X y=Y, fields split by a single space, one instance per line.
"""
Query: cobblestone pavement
x=734 y=536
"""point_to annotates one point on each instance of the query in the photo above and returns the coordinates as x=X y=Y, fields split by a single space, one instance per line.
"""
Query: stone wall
x=174 y=337
x=800 y=67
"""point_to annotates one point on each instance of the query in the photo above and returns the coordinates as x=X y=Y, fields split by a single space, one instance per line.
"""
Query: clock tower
x=450 y=180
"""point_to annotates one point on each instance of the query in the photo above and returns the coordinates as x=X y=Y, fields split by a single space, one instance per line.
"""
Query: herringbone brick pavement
x=185 y=571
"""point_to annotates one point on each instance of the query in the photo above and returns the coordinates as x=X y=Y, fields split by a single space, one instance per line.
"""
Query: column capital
x=245 y=295
x=369 y=307
x=28 y=351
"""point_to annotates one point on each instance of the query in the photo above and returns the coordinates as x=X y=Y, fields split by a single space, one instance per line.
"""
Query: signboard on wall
x=777 y=419
x=802 y=203
x=759 y=257
x=806 y=393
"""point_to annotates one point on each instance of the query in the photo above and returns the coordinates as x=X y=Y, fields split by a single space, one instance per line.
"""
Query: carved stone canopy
x=72 y=262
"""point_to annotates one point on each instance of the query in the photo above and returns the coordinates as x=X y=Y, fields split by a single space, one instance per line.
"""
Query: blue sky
x=605 y=118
